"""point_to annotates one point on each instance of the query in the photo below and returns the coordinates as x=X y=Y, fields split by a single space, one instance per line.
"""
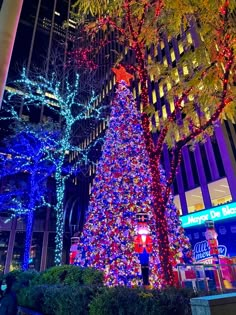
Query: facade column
x=182 y=196
x=10 y=246
x=202 y=178
x=43 y=263
x=9 y=19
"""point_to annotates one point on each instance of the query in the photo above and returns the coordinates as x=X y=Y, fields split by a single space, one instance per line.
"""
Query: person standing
x=8 y=301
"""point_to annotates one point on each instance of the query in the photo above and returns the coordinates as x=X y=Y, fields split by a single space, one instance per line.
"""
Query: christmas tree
x=121 y=190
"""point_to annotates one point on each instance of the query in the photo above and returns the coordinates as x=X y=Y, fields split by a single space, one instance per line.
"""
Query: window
x=177 y=203
x=194 y=200
x=18 y=251
x=51 y=250
x=4 y=238
x=36 y=250
x=219 y=192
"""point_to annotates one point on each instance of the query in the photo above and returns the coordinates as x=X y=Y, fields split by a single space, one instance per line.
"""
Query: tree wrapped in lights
x=193 y=117
x=71 y=110
x=25 y=168
x=122 y=188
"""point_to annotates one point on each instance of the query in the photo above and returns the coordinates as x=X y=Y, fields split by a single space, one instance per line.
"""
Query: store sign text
x=201 y=250
x=219 y=213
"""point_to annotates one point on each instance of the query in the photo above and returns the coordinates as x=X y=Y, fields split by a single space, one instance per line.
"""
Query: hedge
x=66 y=290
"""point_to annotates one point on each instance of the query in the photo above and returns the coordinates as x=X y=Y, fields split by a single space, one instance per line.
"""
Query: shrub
x=92 y=276
x=69 y=274
x=69 y=300
x=175 y=301
x=32 y=297
x=125 y=301
x=23 y=279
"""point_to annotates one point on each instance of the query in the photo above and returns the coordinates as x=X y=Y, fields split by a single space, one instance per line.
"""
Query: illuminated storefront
x=224 y=218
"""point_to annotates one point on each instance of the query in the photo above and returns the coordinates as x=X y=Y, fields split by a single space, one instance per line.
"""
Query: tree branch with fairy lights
x=71 y=109
x=26 y=166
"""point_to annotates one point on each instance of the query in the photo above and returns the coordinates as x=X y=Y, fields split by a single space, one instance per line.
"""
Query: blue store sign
x=223 y=212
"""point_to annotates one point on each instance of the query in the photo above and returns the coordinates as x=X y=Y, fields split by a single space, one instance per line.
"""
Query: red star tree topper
x=122 y=75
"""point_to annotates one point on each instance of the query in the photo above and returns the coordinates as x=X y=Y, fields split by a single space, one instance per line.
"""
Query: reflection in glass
x=18 y=251
x=50 y=251
x=36 y=251
x=4 y=238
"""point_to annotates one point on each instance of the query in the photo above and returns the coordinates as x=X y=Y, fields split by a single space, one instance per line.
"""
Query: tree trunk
x=9 y=19
x=60 y=191
x=28 y=236
x=158 y=204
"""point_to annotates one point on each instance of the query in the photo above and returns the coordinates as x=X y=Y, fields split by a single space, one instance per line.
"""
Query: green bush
x=32 y=297
x=128 y=301
x=67 y=300
x=124 y=301
x=69 y=274
x=23 y=279
x=92 y=276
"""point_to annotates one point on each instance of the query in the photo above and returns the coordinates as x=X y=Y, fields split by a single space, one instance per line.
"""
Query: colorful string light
x=122 y=187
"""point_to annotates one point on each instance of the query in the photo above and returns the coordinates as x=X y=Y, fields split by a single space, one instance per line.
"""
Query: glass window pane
x=194 y=200
x=4 y=239
x=36 y=250
x=219 y=192
x=177 y=203
x=18 y=251
x=51 y=249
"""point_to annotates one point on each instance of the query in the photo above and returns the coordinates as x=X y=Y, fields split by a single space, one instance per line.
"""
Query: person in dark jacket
x=8 y=301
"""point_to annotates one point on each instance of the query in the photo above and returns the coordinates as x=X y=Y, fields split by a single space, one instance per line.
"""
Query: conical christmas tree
x=122 y=188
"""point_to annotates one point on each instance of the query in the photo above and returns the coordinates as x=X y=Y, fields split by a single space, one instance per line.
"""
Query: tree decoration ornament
x=122 y=75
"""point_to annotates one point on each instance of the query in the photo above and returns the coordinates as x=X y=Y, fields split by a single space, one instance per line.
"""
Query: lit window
x=154 y=97
x=194 y=200
x=177 y=203
x=172 y=106
x=165 y=63
x=139 y=88
x=219 y=192
x=176 y=76
x=195 y=63
x=168 y=85
x=161 y=91
x=181 y=48
x=172 y=55
x=185 y=70
x=155 y=52
x=157 y=119
x=189 y=38
x=152 y=77
x=164 y=113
